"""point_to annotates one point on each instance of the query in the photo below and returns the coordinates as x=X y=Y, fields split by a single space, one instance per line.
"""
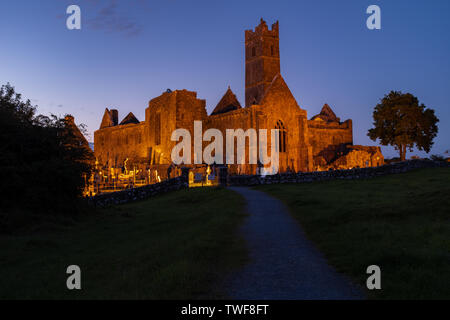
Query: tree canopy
x=42 y=159
x=401 y=121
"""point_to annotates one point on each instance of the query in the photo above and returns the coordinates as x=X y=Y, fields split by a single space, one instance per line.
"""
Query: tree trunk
x=402 y=149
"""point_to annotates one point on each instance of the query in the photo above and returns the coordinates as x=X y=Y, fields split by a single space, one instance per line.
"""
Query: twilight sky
x=128 y=52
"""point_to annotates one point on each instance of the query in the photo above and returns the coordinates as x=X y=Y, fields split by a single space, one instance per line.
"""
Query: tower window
x=271 y=50
x=253 y=51
x=281 y=136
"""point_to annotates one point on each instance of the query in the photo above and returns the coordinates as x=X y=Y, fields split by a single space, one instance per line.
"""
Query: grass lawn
x=175 y=246
x=399 y=222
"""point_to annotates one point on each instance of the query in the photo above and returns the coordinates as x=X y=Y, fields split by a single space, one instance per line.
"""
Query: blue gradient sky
x=131 y=51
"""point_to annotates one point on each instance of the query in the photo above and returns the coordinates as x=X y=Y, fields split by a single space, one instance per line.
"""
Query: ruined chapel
x=322 y=142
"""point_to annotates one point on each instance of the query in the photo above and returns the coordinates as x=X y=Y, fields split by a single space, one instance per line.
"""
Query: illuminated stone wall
x=329 y=140
x=170 y=111
x=113 y=145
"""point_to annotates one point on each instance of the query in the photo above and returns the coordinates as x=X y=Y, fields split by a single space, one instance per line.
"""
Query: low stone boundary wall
x=357 y=173
x=140 y=193
x=145 y=192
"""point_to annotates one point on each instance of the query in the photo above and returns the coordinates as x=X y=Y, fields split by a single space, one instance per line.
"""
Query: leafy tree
x=42 y=159
x=400 y=121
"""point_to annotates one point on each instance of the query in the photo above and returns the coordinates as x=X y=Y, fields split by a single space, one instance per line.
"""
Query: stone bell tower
x=262 y=61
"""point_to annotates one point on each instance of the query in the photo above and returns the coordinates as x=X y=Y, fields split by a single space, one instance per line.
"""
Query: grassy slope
x=174 y=246
x=399 y=222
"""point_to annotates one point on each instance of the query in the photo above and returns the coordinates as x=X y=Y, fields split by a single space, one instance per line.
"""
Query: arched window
x=281 y=136
x=253 y=51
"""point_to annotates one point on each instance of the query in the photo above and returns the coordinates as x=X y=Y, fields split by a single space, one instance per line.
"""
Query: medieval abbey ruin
x=321 y=143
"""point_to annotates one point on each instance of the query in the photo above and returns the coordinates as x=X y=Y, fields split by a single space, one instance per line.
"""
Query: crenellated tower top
x=262 y=30
x=262 y=60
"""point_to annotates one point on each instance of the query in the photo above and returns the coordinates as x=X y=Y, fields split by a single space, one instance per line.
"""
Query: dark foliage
x=42 y=161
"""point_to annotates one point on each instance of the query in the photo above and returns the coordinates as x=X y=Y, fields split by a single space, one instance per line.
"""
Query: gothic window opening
x=253 y=51
x=271 y=50
x=138 y=138
x=281 y=136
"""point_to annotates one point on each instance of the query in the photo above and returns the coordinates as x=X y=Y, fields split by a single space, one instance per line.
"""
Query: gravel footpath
x=283 y=263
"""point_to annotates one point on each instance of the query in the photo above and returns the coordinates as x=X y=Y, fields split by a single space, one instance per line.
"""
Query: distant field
x=398 y=222
x=175 y=246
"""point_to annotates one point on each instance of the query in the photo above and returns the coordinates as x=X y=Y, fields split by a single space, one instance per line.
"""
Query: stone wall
x=141 y=193
x=359 y=157
x=113 y=145
x=166 y=113
x=359 y=173
x=145 y=192
x=329 y=140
